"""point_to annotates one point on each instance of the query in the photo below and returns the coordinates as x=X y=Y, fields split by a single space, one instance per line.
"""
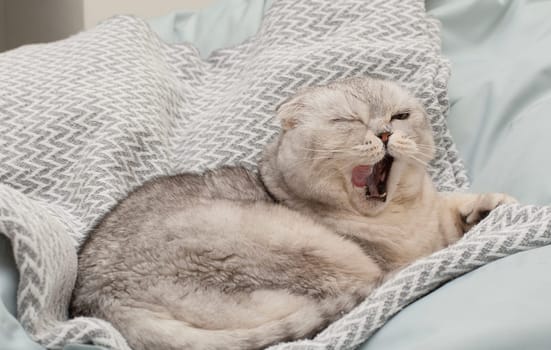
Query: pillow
x=222 y=24
x=498 y=104
x=87 y=119
x=499 y=100
x=500 y=92
x=12 y=335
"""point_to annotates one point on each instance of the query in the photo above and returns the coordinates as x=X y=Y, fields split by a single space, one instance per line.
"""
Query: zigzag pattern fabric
x=85 y=120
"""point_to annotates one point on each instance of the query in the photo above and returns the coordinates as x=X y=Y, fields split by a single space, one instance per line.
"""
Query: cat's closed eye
x=400 y=116
x=343 y=120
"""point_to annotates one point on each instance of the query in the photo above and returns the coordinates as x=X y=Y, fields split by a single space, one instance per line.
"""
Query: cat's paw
x=481 y=207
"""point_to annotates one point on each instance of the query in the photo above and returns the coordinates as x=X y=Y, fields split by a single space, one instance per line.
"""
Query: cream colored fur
x=226 y=260
x=329 y=130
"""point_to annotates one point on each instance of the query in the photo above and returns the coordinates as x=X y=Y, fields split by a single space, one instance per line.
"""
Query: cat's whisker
x=326 y=150
x=328 y=156
x=418 y=160
x=338 y=170
x=430 y=147
x=316 y=158
x=305 y=160
x=426 y=150
x=331 y=156
x=420 y=145
x=357 y=219
x=415 y=156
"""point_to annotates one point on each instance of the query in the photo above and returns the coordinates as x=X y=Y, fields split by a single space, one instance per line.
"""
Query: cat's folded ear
x=288 y=112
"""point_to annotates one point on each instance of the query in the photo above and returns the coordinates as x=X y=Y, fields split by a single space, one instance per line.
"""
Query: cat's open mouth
x=373 y=178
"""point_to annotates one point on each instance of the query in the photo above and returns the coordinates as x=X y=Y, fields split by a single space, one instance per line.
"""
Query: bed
x=500 y=95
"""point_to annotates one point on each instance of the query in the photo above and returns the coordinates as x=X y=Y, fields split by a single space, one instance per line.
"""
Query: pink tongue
x=360 y=175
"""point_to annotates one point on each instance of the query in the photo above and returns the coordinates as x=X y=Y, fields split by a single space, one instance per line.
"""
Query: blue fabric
x=500 y=94
x=12 y=335
x=501 y=306
x=223 y=24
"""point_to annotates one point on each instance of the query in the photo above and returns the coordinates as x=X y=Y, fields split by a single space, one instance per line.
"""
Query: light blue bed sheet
x=500 y=92
x=501 y=306
x=500 y=117
x=221 y=25
x=500 y=95
x=12 y=335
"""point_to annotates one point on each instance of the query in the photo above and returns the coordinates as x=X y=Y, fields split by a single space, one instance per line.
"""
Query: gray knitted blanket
x=85 y=120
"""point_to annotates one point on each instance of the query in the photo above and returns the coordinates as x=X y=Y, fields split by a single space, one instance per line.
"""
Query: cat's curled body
x=233 y=260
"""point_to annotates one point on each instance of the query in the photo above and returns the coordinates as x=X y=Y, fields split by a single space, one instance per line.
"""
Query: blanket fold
x=85 y=120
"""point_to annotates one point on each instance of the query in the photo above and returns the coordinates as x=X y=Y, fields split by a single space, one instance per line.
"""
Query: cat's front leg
x=471 y=208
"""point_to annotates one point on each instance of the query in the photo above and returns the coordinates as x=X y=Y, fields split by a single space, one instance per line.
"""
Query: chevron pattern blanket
x=85 y=120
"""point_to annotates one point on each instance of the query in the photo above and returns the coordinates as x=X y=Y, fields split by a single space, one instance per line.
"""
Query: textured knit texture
x=85 y=120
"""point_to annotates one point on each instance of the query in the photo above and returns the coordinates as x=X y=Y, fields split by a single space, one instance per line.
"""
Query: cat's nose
x=384 y=137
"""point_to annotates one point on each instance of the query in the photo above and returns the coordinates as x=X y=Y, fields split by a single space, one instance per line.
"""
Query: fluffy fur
x=232 y=260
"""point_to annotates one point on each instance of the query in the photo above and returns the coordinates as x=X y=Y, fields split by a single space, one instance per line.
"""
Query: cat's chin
x=372 y=205
x=369 y=206
x=371 y=182
x=404 y=184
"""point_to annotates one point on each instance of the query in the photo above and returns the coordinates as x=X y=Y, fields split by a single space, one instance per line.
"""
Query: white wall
x=33 y=21
x=97 y=10
x=2 y=25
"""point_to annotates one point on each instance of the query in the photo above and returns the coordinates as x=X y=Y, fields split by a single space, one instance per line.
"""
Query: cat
x=235 y=259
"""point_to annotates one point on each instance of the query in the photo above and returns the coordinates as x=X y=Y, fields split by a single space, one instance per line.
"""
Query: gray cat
x=233 y=260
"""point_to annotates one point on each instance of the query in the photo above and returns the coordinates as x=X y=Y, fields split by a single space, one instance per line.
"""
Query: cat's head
x=356 y=144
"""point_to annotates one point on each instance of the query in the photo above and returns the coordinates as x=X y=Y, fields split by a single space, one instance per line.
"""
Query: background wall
x=96 y=10
x=2 y=25
x=34 y=21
